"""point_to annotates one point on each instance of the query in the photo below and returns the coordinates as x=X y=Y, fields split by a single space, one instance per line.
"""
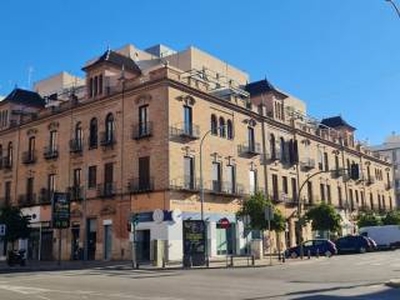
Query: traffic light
x=354 y=172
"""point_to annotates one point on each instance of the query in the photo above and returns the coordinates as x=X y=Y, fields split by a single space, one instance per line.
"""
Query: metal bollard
x=163 y=263
x=283 y=257
x=207 y=262
x=231 y=265
x=309 y=254
x=317 y=253
x=253 y=260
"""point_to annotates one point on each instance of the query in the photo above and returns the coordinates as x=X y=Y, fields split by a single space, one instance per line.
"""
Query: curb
x=393 y=283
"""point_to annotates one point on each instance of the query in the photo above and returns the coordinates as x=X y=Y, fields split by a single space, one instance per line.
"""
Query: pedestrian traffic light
x=354 y=172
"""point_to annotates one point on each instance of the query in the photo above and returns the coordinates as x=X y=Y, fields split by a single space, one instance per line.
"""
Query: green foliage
x=368 y=219
x=324 y=218
x=17 y=224
x=254 y=207
x=391 y=218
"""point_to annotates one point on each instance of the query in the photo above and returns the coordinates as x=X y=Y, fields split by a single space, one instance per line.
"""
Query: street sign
x=269 y=213
x=224 y=223
x=3 y=229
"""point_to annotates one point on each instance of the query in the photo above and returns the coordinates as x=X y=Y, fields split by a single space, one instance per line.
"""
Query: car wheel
x=328 y=253
x=293 y=255
x=362 y=250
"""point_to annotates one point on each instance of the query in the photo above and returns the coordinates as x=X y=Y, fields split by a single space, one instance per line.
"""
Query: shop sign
x=60 y=211
x=224 y=223
x=194 y=243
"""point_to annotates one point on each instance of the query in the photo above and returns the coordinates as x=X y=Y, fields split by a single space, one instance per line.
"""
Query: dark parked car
x=372 y=244
x=314 y=247
x=352 y=244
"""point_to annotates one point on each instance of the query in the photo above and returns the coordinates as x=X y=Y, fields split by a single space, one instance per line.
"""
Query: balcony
x=29 y=157
x=336 y=173
x=50 y=152
x=6 y=163
x=307 y=164
x=75 y=193
x=107 y=140
x=45 y=196
x=142 y=130
x=185 y=183
x=76 y=146
x=370 y=180
x=139 y=185
x=27 y=200
x=249 y=149
x=184 y=132
x=106 y=190
x=224 y=188
x=5 y=200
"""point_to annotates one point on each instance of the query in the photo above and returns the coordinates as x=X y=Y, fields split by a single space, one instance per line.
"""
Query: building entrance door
x=75 y=251
x=107 y=242
x=226 y=242
x=143 y=245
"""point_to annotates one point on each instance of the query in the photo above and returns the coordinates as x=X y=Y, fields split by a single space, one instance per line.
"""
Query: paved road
x=350 y=277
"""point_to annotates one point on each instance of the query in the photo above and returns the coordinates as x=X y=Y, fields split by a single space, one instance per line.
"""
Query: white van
x=386 y=236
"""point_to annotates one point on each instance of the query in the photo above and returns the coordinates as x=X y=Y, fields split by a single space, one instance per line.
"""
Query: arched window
x=272 y=146
x=110 y=127
x=93 y=134
x=214 y=125
x=229 y=129
x=283 y=150
x=222 y=129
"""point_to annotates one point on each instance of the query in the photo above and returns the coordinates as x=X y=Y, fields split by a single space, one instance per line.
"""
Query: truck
x=385 y=236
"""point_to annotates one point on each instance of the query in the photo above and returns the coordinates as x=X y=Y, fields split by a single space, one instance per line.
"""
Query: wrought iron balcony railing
x=141 y=185
x=142 y=130
x=29 y=157
x=106 y=190
x=249 y=149
x=185 y=131
x=50 y=152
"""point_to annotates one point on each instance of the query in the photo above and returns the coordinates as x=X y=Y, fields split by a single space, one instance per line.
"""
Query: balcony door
x=188 y=120
x=143 y=120
x=216 y=176
x=189 y=182
x=108 y=178
x=144 y=173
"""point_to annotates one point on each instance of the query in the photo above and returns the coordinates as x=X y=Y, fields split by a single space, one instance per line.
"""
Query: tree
x=254 y=207
x=368 y=219
x=391 y=218
x=323 y=217
x=17 y=225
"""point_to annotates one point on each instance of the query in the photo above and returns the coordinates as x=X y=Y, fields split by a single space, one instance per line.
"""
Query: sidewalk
x=215 y=263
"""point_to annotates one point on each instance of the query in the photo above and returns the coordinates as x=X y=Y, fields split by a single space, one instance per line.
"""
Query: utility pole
x=394 y=7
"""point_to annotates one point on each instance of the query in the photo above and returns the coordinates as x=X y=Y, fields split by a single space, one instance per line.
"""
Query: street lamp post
x=394 y=7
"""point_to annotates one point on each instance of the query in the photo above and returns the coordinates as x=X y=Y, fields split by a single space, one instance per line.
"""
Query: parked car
x=352 y=244
x=373 y=246
x=314 y=247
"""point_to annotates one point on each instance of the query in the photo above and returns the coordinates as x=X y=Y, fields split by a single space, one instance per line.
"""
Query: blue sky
x=339 y=56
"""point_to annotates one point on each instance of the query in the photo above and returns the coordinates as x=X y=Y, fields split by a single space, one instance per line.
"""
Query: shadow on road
x=389 y=293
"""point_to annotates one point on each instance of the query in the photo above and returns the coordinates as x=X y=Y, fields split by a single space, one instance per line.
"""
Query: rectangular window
x=371 y=201
x=92 y=177
x=230 y=179
x=285 y=185
x=31 y=146
x=216 y=176
x=100 y=84
x=326 y=161
x=29 y=190
x=188 y=120
x=362 y=198
x=328 y=194
x=336 y=162
x=351 y=199
x=340 y=198
x=310 y=192
x=108 y=179
x=143 y=121
x=144 y=173
x=77 y=177
x=250 y=138
x=53 y=140
x=357 y=199
x=51 y=183
x=91 y=87
x=189 y=180
x=322 y=192
x=7 y=192
x=253 y=181
x=275 y=187
x=96 y=82
x=294 y=189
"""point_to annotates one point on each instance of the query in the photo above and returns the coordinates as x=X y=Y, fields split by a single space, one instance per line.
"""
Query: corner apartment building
x=128 y=140
x=391 y=149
